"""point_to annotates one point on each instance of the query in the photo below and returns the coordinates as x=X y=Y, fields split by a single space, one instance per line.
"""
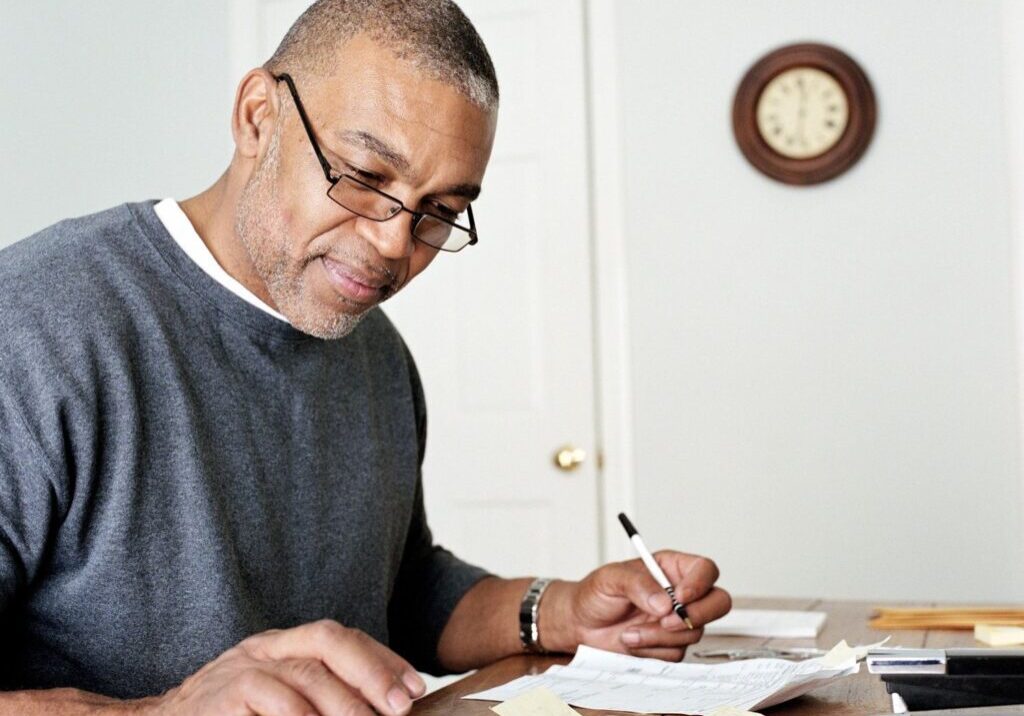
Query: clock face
x=802 y=112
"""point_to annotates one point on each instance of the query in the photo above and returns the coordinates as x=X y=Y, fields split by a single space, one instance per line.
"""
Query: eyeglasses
x=371 y=203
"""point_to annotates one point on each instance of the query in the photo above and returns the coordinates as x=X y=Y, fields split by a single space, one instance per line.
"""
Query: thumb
x=631 y=581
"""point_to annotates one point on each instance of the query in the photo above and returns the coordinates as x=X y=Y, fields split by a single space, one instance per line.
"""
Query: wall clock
x=804 y=113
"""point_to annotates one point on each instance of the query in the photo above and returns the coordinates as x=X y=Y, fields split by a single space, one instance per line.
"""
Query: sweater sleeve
x=431 y=580
x=29 y=509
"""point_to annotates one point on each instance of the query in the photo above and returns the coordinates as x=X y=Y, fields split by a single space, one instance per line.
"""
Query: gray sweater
x=179 y=469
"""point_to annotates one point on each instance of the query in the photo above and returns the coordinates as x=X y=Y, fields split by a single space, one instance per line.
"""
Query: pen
x=654 y=569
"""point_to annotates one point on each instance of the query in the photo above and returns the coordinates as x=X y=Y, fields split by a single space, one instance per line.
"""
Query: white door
x=502 y=332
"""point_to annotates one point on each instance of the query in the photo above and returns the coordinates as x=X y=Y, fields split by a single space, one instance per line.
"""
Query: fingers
x=320 y=687
x=632 y=581
x=663 y=654
x=264 y=695
x=692 y=575
x=715 y=604
x=653 y=635
x=381 y=677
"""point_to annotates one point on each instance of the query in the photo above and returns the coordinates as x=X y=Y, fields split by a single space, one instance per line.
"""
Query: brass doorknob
x=569 y=458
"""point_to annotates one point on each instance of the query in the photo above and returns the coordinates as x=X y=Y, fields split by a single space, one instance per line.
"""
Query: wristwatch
x=529 y=608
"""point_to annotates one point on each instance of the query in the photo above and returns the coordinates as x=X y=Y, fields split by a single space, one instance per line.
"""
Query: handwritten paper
x=537 y=702
x=779 y=624
x=598 y=679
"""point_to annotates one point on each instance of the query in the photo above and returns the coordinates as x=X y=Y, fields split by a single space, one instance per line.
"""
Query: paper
x=996 y=635
x=598 y=679
x=730 y=711
x=842 y=652
x=538 y=702
x=768 y=623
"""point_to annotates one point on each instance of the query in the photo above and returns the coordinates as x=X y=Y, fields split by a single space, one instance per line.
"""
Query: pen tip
x=680 y=611
x=626 y=524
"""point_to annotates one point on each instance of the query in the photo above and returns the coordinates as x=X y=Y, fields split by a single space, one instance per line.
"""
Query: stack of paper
x=944 y=618
x=768 y=623
x=598 y=679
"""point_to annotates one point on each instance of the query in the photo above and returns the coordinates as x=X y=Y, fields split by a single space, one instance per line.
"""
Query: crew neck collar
x=212 y=291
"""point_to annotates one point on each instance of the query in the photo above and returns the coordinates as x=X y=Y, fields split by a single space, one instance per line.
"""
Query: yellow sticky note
x=732 y=711
x=997 y=635
x=538 y=702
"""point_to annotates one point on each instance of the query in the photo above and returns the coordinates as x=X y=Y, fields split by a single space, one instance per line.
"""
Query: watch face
x=802 y=112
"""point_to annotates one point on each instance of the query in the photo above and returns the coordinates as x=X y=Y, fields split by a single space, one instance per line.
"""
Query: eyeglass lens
x=364 y=201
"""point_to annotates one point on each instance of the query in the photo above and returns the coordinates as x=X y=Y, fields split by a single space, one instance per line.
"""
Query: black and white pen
x=654 y=569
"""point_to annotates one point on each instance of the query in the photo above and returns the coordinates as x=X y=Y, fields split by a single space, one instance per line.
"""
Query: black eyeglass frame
x=329 y=174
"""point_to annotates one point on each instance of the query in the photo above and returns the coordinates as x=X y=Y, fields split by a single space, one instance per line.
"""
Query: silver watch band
x=529 y=608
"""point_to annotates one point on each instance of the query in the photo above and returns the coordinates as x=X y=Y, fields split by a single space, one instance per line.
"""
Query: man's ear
x=255 y=113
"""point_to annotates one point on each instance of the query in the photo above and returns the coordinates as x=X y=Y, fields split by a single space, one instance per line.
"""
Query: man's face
x=380 y=120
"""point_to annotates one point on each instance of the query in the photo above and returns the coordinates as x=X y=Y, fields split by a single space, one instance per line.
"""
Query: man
x=210 y=435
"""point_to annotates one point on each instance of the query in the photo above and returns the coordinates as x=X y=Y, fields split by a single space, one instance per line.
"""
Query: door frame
x=612 y=355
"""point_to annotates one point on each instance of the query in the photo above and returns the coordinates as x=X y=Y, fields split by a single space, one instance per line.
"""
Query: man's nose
x=393 y=237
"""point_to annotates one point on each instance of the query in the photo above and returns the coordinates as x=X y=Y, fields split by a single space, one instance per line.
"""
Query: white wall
x=825 y=378
x=102 y=103
x=810 y=366
x=1013 y=120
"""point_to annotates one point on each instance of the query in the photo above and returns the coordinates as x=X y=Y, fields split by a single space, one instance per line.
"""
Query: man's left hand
x=619 y=607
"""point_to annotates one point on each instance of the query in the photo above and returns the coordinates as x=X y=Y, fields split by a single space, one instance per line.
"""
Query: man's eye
x=443 y=211
x=364 y=176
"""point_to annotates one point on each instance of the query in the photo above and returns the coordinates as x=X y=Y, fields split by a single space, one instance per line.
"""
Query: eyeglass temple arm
x=306 y=123
x=472 y=224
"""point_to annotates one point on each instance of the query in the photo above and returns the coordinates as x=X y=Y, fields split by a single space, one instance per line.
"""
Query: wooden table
x=858 y=695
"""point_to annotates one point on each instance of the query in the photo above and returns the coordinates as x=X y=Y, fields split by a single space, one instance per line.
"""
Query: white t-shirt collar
x=185 y=235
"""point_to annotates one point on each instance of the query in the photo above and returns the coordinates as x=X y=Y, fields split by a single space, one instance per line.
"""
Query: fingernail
x=398 y=700
x=631 y=637
x=414 y=683
x=659 y=602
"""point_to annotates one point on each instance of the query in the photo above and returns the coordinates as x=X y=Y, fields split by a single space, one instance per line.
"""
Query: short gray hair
x=435 y=36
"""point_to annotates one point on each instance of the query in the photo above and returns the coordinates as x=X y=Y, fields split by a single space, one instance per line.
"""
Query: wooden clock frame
x=855 y=138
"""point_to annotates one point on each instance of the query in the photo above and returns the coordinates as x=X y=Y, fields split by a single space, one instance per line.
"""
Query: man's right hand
x=320 y=669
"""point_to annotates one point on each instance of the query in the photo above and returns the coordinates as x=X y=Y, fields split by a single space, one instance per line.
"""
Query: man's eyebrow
x=378 y=146
x=398 y=160
x=469 y=191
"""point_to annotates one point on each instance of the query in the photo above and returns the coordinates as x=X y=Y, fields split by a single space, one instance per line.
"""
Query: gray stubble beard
x=259 y=226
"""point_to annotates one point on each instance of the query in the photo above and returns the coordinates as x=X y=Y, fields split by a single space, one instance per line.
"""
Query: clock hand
x=801 y=117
